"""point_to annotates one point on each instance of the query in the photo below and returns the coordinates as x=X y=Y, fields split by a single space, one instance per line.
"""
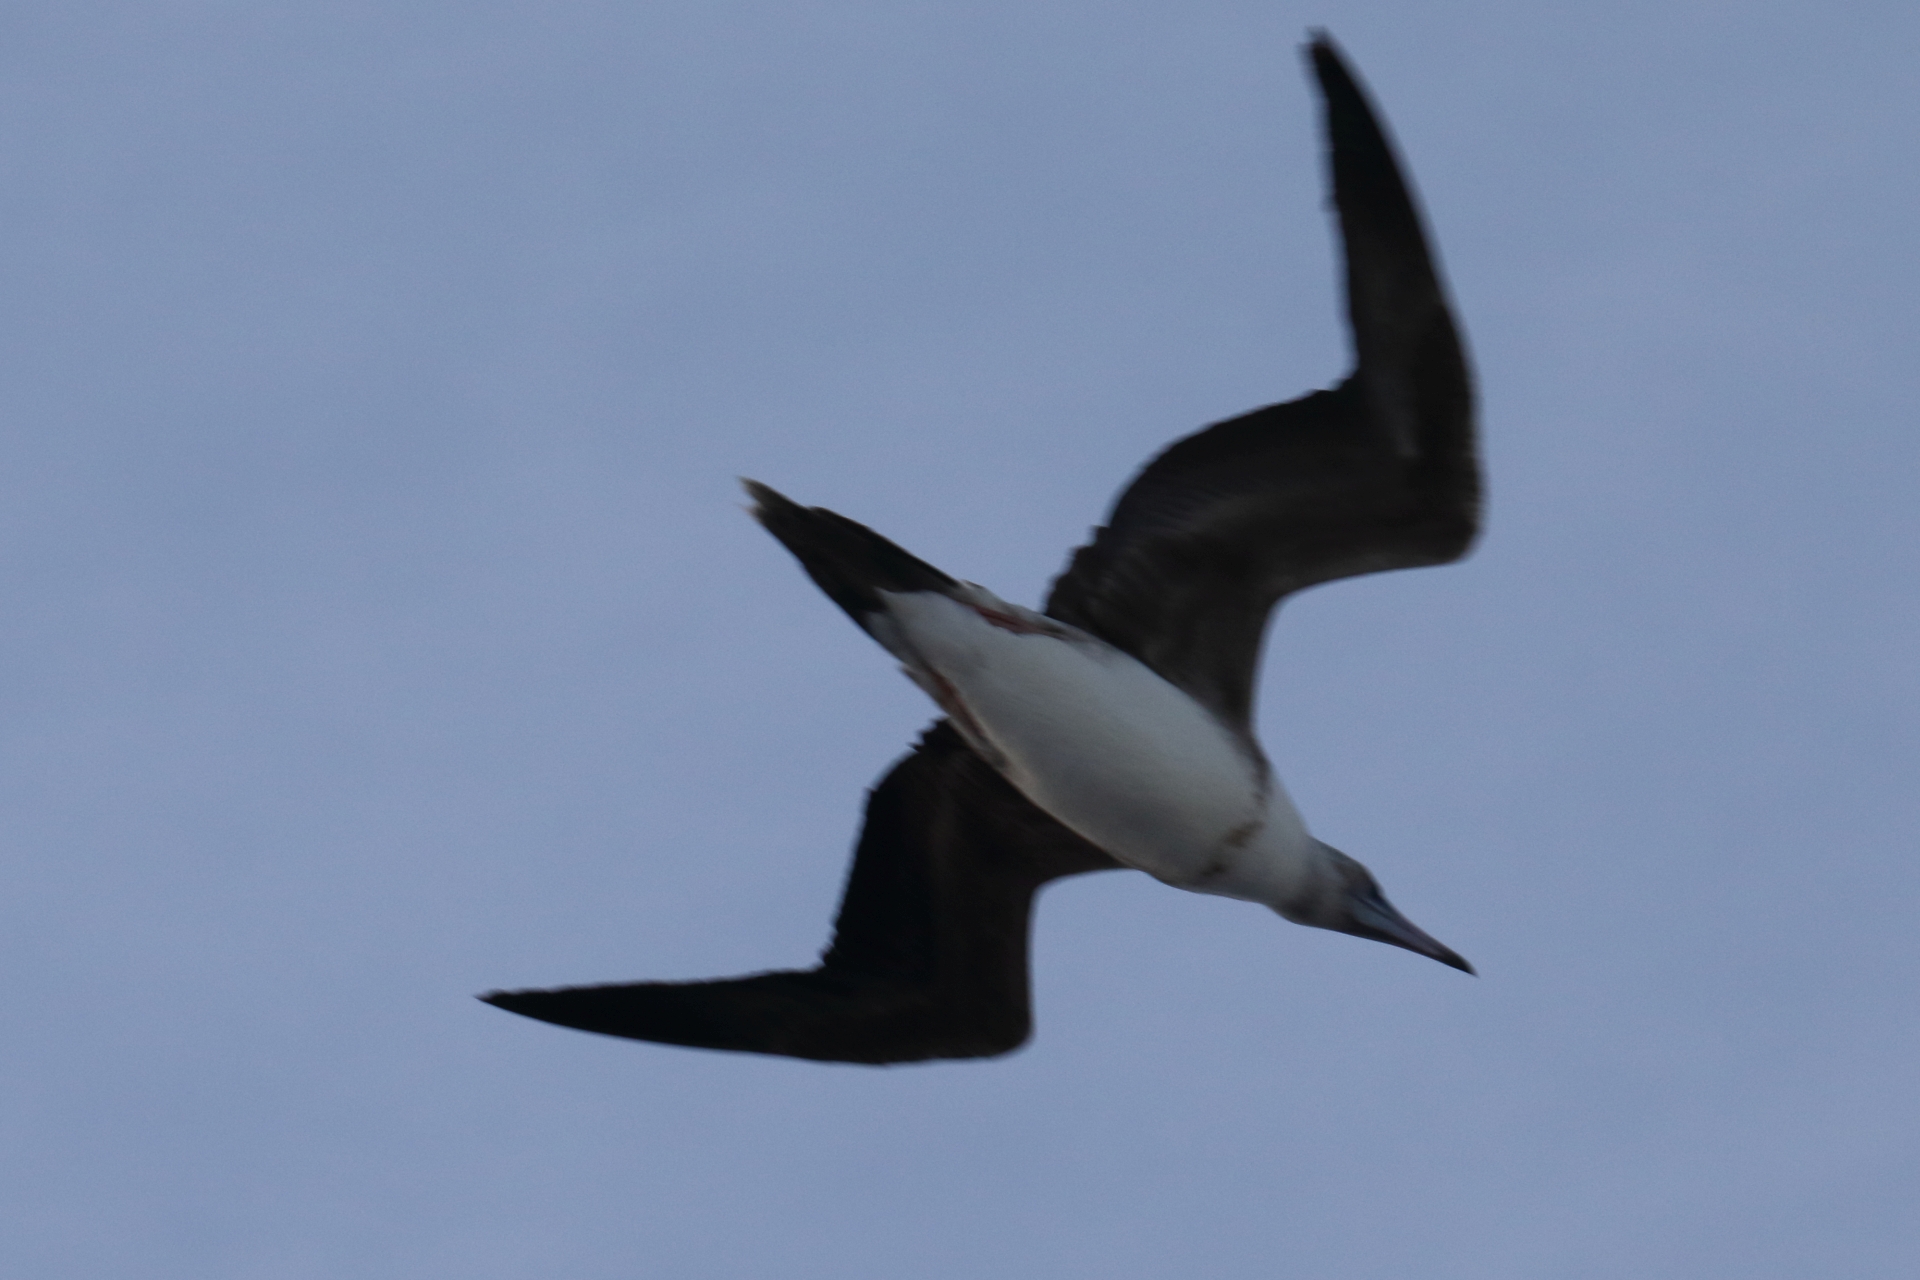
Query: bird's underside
x=929 y=954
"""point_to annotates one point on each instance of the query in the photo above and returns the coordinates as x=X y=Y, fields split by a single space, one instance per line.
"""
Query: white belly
x=1094 y=737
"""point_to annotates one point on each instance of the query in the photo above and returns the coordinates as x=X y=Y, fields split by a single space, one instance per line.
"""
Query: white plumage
x=1097 y=739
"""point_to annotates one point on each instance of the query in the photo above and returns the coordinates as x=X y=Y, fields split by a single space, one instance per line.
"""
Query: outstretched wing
x=1378 y=473
x=929 y=953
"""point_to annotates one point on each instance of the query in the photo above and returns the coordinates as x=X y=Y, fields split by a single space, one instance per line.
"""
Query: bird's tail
x=847 y=560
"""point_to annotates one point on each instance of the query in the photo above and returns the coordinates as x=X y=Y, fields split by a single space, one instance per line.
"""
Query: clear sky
x=379 y=625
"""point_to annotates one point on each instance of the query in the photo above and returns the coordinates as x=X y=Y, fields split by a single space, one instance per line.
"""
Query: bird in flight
x=1114 y=728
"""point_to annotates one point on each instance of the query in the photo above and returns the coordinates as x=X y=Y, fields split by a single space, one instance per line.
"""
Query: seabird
x=1114 y=727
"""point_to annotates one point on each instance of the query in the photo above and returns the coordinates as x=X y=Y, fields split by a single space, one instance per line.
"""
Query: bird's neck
x=1278 y=864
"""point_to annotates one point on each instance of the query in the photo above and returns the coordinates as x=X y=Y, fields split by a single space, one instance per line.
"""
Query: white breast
x=1095 y=738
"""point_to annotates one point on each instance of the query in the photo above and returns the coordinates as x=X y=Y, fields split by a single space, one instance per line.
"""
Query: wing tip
x=803 y=1014
x=1325 y=55
x=512 y=1001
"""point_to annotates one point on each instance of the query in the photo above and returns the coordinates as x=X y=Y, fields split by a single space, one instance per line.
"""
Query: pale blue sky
x=379 y=625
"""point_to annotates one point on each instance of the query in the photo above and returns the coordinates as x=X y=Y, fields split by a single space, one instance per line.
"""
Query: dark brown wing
x=929 y=954
x=1379 y=473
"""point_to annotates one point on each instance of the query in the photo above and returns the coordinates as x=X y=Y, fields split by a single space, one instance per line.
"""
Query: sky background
x=379 y=625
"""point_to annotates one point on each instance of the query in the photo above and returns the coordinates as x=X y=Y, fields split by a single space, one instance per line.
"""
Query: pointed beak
x=1376 y=918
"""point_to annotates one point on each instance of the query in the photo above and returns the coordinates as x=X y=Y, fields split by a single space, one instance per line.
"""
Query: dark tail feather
x=848 y=561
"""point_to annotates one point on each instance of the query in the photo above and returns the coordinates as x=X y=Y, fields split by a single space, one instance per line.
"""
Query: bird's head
x=1344 y=897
